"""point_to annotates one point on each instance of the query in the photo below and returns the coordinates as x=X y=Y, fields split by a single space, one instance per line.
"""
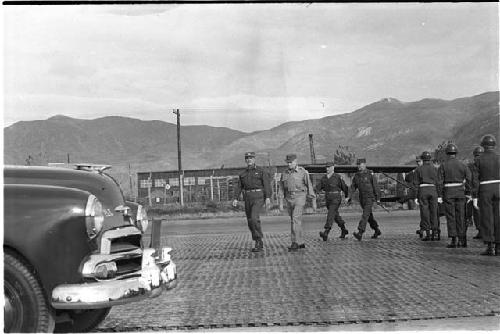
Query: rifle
x=403 y=184
x=383 y=207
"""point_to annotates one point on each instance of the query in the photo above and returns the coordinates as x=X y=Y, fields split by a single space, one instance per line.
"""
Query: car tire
x=82 y=320
x=26 y=308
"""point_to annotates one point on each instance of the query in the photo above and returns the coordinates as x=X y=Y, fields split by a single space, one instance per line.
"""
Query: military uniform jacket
x=454 y=171
x=487 y=169
x=296 y=181
x=334 y=183
x=366 y=183
x=252 y=178
x=411 y=179
x=427 y=174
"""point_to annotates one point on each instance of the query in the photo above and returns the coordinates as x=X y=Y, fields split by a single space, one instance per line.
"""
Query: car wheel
x=82 y=320
x=25 y=308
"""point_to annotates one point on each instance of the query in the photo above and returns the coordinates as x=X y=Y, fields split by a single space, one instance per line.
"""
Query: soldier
x=255 y=184
x=471 y=213
x=486 y=187
x=365 y=182
x=333 y=184
x=296 y=186
x=411 y=179
x=426 y=178
x=452 y=174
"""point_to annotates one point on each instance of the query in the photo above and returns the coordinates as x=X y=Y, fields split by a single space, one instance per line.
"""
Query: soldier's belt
x=333 y=192
x=489 y=182
x=426 y=185
x=252 y=190
x=453 y=185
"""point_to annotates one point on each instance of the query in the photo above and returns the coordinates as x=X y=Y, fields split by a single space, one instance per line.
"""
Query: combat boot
x=358 y=235
x=427 y=236
x=259 y=246
x=438 y=235
x=343 y=233
x=376 y=234
x=324 y=235
x=294 y=247
x=489 y=249
x=453 y=243
x=462 y=242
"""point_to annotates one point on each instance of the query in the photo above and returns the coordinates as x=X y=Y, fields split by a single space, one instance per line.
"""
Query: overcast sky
x=244 y=66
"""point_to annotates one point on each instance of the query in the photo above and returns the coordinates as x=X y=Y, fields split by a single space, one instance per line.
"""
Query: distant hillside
x=385 y=132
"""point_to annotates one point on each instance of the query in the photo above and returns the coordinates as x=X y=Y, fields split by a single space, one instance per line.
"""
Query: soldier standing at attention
x=452 y=174
x=471 y=213
x=333 y=185
x=255 y=184
x=365 y=182
x=487 y=186
x=426 y=178
x=411 y=179
x=296 y=186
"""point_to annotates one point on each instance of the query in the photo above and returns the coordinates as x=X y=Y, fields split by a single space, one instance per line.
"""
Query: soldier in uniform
x=333 y=185
x=427 y=181
x=471 y=213
x=297 y=187
x=486 y=186
x=452 y=174
x=255 y=184
x=411 y=180
x=365 y=182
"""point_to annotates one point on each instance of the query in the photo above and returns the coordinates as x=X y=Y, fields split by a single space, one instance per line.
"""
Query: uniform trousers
x=333 y=202
x=429 y=208
x=295 y=206
x=489 y=212
x=471 y=213
x=367 y=216
x=455 y=216
x=254 y=201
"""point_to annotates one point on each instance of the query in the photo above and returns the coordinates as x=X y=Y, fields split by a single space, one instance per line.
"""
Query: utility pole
x=68 y=158
x=179 y=163
x=311 y=148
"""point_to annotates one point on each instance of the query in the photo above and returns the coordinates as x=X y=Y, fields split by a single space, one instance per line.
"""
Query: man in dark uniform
x=255 y=184
x=427 y=181
x=365 y=182
x=411 y=180
x=471 y=213
x=333 y=185
x=452 y=174
x=486 y=186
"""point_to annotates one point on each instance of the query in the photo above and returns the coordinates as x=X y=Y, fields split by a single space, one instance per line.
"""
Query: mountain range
x=385 y=132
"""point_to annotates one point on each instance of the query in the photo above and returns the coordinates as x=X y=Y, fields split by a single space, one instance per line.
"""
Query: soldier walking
x=333 y=185
x=255 y=184
x=486 y=186
x=427 y=181
x=297 y=187
x=452 y=174
x=471 y=213
x=365 y=182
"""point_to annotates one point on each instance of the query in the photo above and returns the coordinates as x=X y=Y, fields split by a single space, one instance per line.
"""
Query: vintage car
x=73 y=248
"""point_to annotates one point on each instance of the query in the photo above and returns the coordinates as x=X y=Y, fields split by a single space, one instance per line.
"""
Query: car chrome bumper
x=158 y=273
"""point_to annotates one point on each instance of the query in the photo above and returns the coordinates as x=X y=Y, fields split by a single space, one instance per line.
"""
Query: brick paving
x=394 y=278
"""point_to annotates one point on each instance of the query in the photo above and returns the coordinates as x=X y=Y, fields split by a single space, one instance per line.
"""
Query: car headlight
x=94 y=216
x=142 y=221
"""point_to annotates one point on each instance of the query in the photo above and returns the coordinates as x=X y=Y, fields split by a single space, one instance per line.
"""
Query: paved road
x=396 y=279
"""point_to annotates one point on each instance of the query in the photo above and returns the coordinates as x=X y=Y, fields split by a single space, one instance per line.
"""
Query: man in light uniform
x=297 y=187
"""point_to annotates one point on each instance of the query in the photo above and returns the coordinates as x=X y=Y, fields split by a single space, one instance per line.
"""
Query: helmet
x=426 y=156
x=477 y=151
x=488 y=141
x=451 y=149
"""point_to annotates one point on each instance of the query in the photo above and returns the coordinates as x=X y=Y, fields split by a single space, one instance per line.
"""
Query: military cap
x=291 y=157
x=250 y=155
x=330 y=164
x=477 y=151
x=361 y=161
